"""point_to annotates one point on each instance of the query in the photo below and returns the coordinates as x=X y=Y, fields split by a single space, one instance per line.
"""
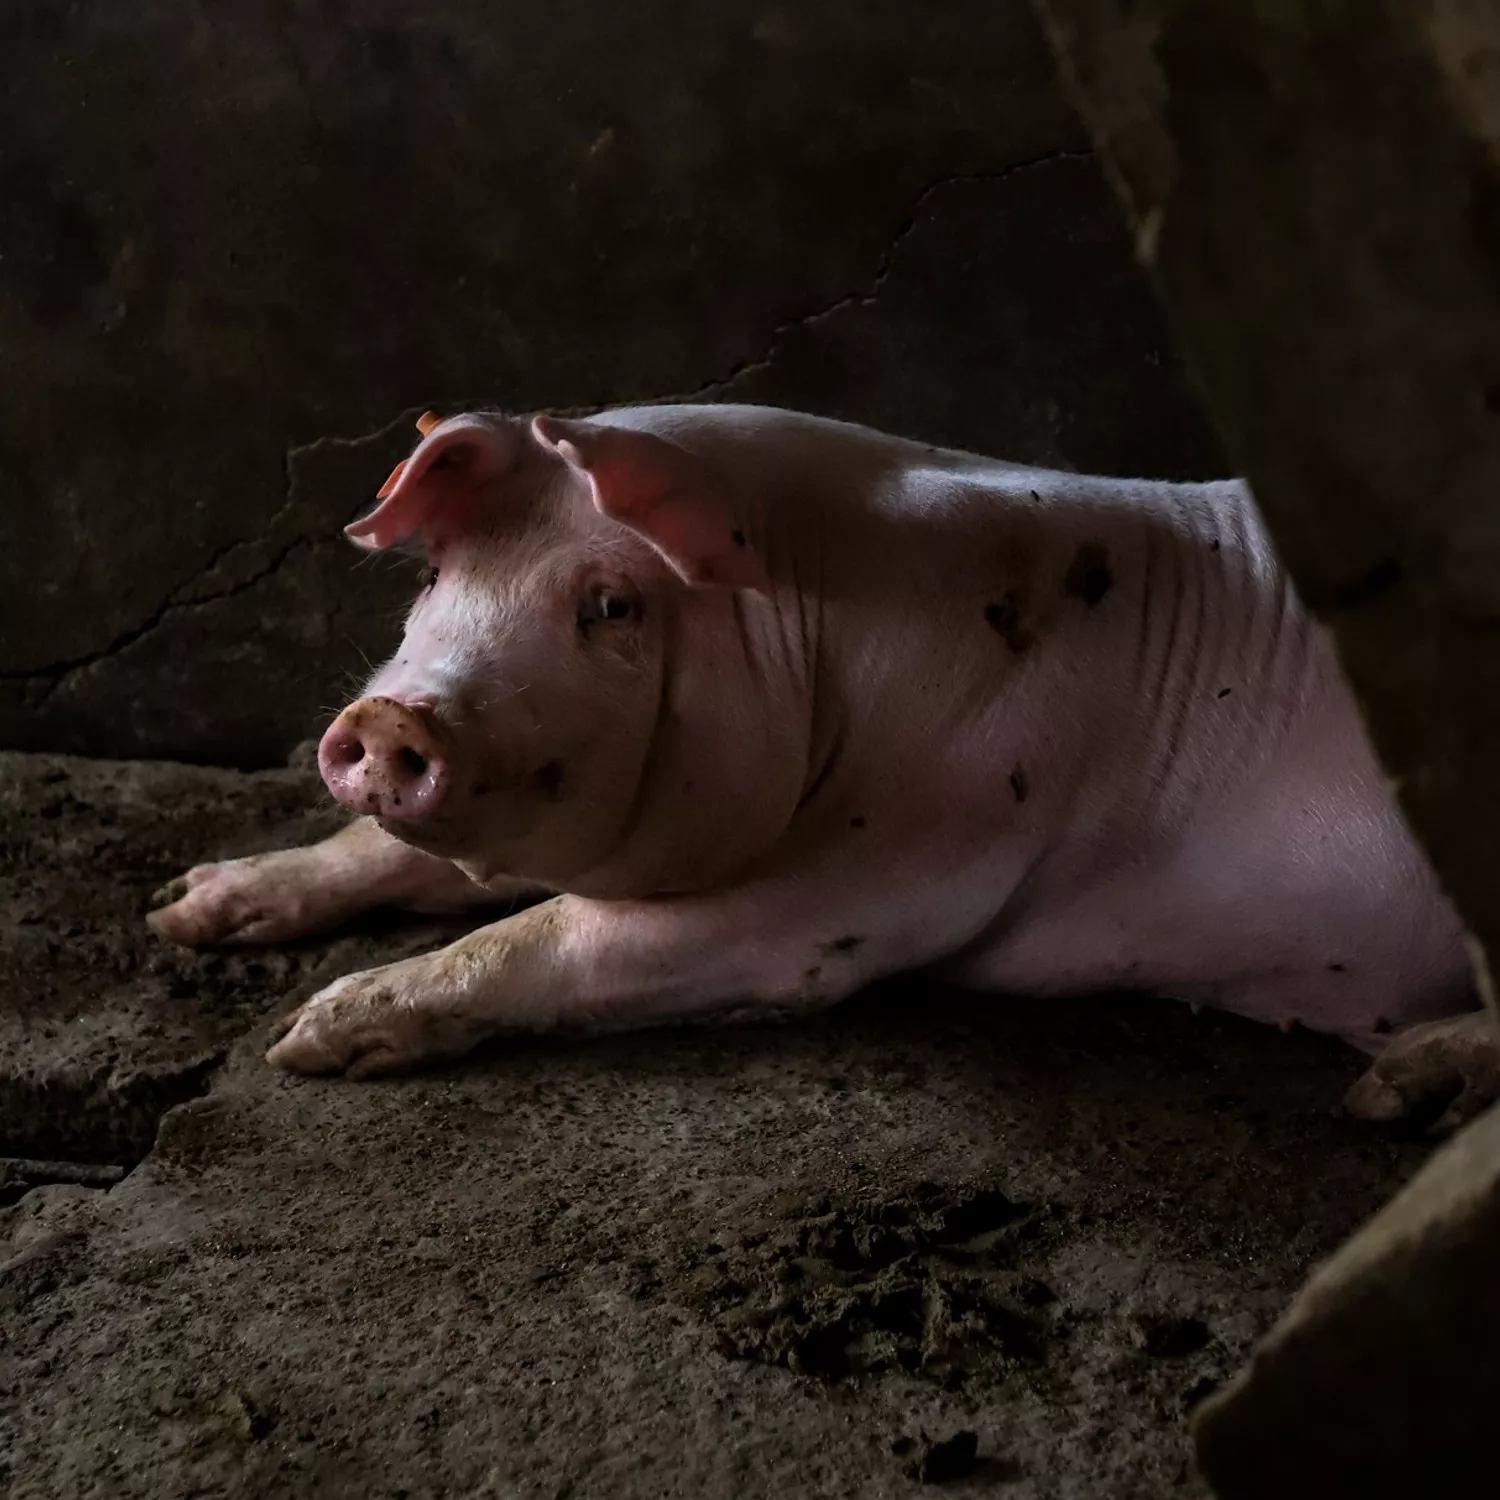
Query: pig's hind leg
x=1443 y=1071
x=271 y=898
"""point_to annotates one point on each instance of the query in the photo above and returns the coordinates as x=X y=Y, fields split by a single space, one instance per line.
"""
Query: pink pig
x=782 y=705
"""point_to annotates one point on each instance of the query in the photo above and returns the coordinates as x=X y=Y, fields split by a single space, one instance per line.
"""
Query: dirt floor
x=921 y=1239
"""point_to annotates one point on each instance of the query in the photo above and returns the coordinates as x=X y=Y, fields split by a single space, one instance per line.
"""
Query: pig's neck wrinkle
x=800 y=620
x=911 y=668
x=728 y=752
x=1226 y=659
x=640 y=808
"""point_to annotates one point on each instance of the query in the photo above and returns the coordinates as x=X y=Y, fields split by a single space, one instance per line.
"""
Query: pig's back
x=1110 y=685
x=1229 y=836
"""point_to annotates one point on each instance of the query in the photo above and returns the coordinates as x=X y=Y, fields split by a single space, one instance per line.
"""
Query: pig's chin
x=447 y=840
x=479 y=868
x=432 y=837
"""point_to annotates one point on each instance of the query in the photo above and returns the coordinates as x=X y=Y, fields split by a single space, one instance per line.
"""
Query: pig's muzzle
x=385 y=759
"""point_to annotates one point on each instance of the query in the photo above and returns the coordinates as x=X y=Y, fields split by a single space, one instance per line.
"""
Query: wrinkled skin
x=777 y=706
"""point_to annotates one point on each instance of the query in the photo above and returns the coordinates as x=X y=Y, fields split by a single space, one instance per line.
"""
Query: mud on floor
x=939 y=1283
x=951 y=1284
x=918 y=1239
x=103 y=1028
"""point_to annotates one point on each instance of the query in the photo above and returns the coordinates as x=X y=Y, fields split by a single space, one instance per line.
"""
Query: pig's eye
x=607 y=604
x=429 y=577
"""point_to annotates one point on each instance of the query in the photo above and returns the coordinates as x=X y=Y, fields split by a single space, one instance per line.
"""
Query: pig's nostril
x=351 y=752
x=412 y=760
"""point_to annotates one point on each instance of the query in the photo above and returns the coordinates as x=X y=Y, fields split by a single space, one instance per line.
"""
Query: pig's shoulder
x=776 y=429
x=903 y=471
x=770 y=424
x=1058 y=497
x=699 y=424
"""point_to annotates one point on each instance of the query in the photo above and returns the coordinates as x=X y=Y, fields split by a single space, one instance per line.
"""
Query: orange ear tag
x=390 y=483
x=427 y=421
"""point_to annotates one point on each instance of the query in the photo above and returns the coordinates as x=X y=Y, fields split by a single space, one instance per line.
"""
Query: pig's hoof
x=267 y=898
x=366 y=1025
x=170 y=893
x=1440 y=1074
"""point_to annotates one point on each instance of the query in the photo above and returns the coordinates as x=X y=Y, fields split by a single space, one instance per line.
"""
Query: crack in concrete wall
x=55 y=674
x=882 y=270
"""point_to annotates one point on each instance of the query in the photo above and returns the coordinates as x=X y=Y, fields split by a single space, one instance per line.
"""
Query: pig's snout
x=382 y=758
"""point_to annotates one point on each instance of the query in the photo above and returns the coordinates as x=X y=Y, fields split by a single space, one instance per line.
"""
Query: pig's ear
x=451 y=460
x=662 y=492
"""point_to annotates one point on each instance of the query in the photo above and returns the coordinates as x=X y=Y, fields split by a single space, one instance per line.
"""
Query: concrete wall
x=242 y=245
x=1317 y=188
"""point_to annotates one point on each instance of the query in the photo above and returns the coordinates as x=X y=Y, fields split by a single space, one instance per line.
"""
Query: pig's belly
x=1354 y=939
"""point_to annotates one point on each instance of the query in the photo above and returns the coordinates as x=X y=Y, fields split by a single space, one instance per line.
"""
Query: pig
x=756 y=708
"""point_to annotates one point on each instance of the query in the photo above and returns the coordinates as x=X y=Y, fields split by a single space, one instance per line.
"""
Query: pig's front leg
x=271 y=898
x=570 y=961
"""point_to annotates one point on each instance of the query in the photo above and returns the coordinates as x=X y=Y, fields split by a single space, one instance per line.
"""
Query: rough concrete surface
x=733 y=1260
x=242 y=246
x=1380 y=1379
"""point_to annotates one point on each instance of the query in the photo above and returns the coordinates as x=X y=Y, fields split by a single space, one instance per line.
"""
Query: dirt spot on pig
x=1007 y=620
x=1089 y=577
x=550 y=780
x=844 y=945
x=938 y=1283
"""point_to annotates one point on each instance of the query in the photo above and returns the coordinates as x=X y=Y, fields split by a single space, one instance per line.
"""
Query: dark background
x=242 y=246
